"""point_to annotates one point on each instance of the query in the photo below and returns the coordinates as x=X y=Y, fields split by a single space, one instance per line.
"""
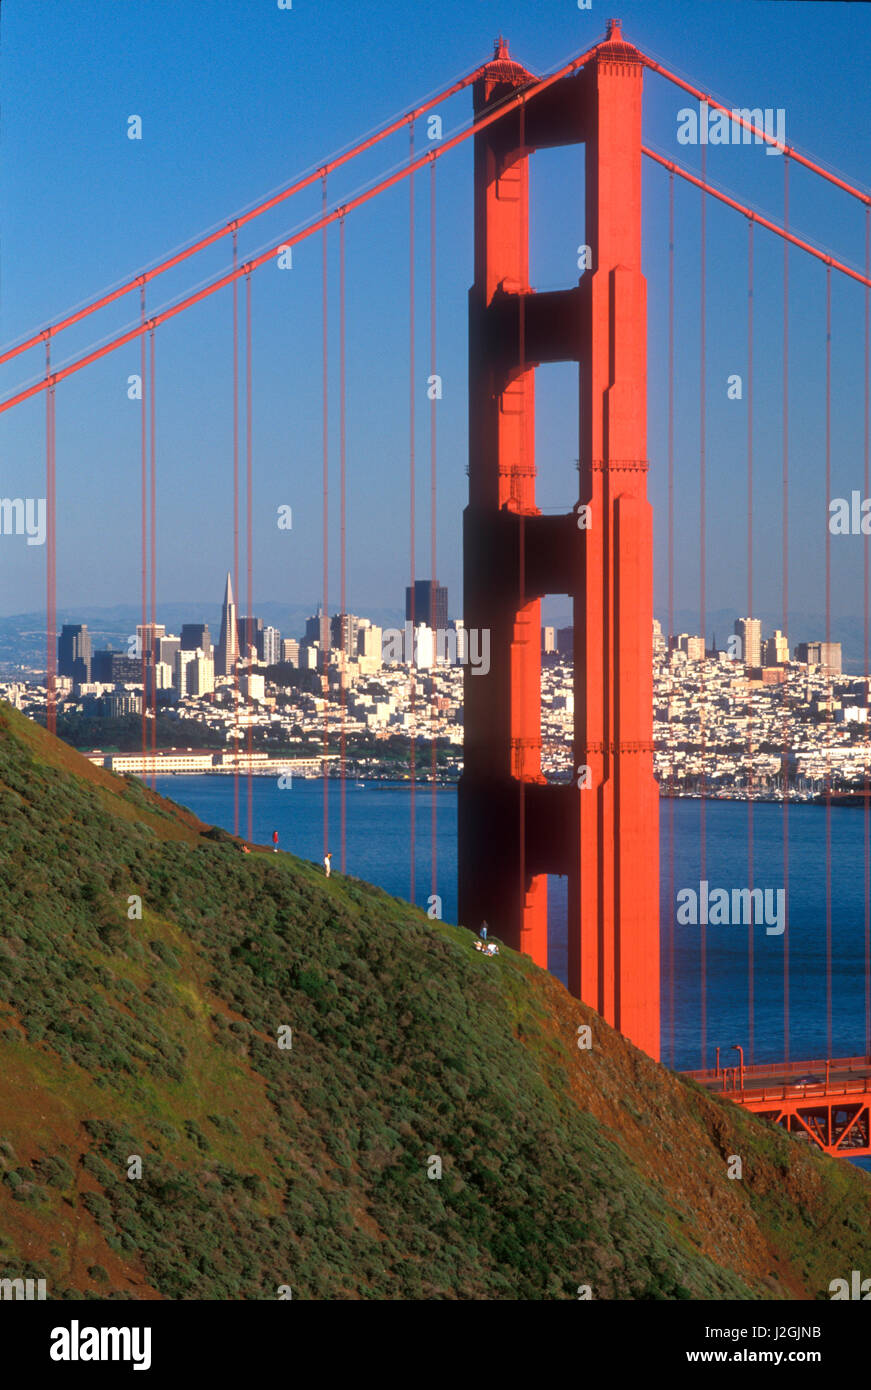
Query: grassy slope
x=308 y=1166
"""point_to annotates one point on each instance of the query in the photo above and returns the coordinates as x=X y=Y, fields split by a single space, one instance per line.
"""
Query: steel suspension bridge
x=601 y=831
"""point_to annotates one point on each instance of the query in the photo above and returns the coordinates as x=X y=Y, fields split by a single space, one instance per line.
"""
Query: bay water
x=725 y=844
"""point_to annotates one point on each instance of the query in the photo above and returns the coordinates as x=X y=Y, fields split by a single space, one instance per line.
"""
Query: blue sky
x=236 y=99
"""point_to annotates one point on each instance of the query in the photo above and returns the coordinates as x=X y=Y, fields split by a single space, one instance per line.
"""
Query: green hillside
x=308 y=1166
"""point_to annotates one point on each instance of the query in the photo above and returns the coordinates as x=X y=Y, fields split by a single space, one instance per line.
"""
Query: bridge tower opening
x=602 y=830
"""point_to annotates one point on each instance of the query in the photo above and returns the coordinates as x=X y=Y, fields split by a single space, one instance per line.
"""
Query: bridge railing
x=833 y=1064
x=861 y=1086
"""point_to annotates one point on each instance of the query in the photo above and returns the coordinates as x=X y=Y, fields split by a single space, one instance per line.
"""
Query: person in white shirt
x=327 y=858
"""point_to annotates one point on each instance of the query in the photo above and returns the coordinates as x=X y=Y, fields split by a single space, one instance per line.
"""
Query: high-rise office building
x=750 y=632
x=548 y=640
x=148 y=635
x=369 y=642
x=825 y=654
x=166 y=648
x=163 y=675
x=343 y=633
x=565 y=641
x=271 y=646
x=775 y=649
x=116 y=668
x=430 y=604
x=290 y=651
x=253 y=686
x=201 y=674
x=193 y=673
x=317 y=629
x=195 y=635
x=118 y=703
x=227 y=653
x=74 y=653
x=179 y=671
x=251 y=637
x=692 y=647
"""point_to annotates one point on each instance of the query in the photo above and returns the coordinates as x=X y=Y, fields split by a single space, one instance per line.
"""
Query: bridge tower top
x=503 y=68
x=615 y=46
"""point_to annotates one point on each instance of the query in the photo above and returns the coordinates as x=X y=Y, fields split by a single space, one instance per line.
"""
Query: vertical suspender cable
x=670 y=624
x=143 y=508
x=703 y=963
x=249 y=540
x=519 y=493
x=153 y=507
x=750 y=962
x=326 y=532
x=411 y=493
x=521 y=584
x=432 y=499
x=344 y=621
x=867 y=579
x=828 y=640
x=233 y=645
x=785 y=431
x=50 y=553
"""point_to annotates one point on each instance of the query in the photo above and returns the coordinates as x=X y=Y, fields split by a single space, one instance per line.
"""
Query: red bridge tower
x=602 y=831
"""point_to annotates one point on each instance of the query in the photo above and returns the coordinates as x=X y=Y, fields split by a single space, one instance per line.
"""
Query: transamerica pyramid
x=227 y=653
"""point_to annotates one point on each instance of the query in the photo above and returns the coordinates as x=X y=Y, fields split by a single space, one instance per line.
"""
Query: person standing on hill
x=327 y=858
x=275 y=842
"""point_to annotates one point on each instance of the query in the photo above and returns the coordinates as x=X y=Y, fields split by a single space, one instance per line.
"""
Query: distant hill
x=22 y=635
x=308 y=1166
x=847 y=629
